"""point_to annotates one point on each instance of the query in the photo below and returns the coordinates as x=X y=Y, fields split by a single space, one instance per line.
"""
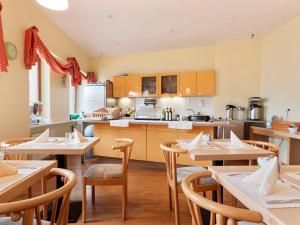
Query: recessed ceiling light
x=58 y=5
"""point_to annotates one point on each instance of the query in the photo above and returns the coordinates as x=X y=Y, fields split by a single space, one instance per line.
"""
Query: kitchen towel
x=7 y=169
x=182 y=125
x=78 y=137
x=266 y=177
x=119 y=123
x=43 y=138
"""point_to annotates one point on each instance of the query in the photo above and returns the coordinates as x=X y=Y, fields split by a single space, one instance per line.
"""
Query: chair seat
x=187 y=170
x=7 y=221
x=104 y=171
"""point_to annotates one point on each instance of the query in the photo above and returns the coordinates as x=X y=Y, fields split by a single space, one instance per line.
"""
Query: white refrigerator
x=94 y=97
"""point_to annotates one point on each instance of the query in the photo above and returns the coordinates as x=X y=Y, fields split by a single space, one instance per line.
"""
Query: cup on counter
x=206 y=138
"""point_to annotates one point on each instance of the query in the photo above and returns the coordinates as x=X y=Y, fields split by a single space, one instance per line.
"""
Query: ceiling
x=117 y=27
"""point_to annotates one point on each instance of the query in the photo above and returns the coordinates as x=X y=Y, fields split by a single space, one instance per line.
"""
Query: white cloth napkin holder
x=43 y=138
x=266 y=177
x=181 y=125
x=119 y=123
x=78 y=137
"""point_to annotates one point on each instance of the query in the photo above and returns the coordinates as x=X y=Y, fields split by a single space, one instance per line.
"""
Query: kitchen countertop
x=160 y=122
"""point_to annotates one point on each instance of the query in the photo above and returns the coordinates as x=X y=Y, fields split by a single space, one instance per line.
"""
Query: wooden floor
x=147 y=196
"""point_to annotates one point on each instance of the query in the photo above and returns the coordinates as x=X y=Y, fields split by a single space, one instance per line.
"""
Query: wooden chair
x=265 y=145
x=34 y=210
x=225 y=215
x=11 y=142
x=108 y=174
x=175 y=175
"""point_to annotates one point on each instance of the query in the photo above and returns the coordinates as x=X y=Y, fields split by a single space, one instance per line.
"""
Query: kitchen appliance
x=255 y=108
x=198 y=117
x=229 y=112
x=94 y=97
x=241 y=113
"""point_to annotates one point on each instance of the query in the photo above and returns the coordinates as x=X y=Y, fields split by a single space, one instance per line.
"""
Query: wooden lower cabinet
x=138 y=134
x=154 y=139
x=108 y=136
x=147 y=140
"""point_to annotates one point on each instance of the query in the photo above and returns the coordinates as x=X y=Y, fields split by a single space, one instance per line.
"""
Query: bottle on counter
x=167 y=114
x=170 y=115
x=163 y=115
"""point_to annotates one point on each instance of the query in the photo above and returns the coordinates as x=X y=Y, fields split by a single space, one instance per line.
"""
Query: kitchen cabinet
x=188 y=84
x=206 y=83
x=138 y=134
x=155 y=136
x=108 y=136
x=168 y=84
x=119 y=86
x=149 y=85
x=133 y=85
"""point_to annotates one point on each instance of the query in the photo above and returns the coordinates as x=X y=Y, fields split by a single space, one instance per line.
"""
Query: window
x=34 y=84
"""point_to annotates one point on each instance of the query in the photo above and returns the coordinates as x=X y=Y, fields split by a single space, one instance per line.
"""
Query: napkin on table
x=196 y=142
x=7 y=169
x=236 y=143
x=43 y=138
x=78 y=137
x=266 y=177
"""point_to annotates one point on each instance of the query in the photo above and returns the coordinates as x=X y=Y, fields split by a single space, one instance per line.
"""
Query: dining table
x=275 y=209
x=61 y=148
x=29 y=173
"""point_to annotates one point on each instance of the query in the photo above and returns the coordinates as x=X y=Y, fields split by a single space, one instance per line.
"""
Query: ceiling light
x=58 y=5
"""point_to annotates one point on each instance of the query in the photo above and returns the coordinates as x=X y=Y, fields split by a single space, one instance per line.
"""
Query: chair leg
x=84 y=207
x=170 y=197
x=93 y=194
x=124 y=203
x=176 y=206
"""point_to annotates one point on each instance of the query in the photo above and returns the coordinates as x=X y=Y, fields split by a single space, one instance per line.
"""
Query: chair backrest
x=224 y=214
x=30 y=209
x=171 y=153
x=265 y=145
x=125 y=146
x=11 y=142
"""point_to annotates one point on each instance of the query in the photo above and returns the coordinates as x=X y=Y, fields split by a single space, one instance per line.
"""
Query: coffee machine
x=255 y=108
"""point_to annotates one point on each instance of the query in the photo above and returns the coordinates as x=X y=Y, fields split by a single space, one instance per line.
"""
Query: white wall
x=280 y=76
x=237 y=65
x=17 y=16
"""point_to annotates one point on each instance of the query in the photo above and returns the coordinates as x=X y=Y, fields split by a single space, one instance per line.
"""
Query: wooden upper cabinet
x=168 y=84
x=119 y=86
x=188 y=84
x=206 y=83
x=133 y=85
x=149 y=85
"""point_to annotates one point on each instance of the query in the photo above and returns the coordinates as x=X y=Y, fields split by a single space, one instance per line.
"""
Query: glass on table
x=69 y=137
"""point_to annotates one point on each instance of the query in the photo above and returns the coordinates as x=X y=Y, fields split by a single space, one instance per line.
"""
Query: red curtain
x=3 y=55
x=90 y=77
x=34 y=45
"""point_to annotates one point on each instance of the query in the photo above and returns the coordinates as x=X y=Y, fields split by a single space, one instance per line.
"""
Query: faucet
x=191 y=111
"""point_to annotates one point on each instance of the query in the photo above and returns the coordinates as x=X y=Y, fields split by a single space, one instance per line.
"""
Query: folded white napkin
x=236 y=143
x=266 y=177
x=43 y=138
x=183 y=125
x=78 y=137
x=7 y=169
x=119 y=123
x=196 y=142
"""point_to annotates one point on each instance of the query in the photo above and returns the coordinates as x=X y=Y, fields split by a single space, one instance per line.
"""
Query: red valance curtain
x=3 y=55
x=34 y=45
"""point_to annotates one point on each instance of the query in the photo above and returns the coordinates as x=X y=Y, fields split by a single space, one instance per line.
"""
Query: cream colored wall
x=280 y=76
x=237 y=65
x=17 y=16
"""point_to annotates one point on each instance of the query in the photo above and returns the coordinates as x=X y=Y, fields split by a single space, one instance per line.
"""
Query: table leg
x=75 y=207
